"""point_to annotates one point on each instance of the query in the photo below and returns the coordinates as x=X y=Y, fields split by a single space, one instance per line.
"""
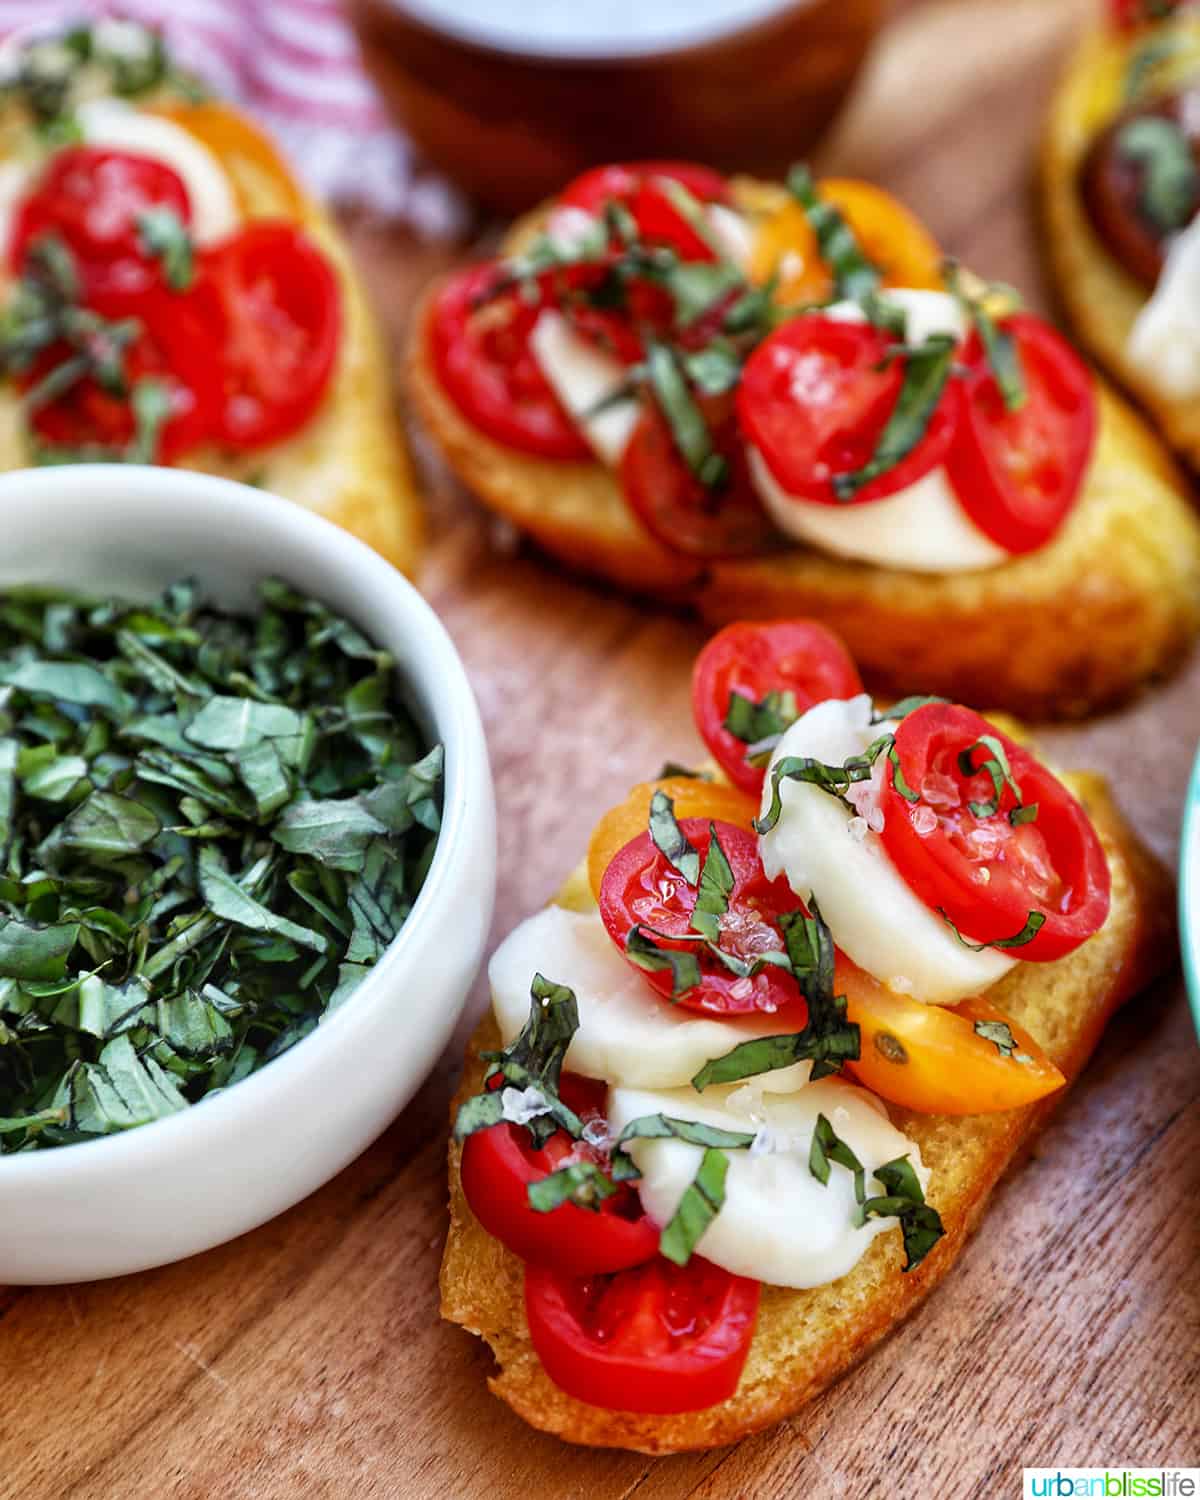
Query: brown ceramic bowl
x=512 y=118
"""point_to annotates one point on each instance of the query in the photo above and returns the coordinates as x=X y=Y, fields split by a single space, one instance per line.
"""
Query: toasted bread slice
x=1111 y=601
x=1101 y=298
x=805 y=1340
x=349 y=462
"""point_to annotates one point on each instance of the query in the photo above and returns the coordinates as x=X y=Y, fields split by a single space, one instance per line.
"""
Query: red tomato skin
x=631 y=893
x=492 y=377
x=276 y=300
x=757 y=657
x=496 y=1167
x=676 y=508
x=639 y=1363
x=618 y=182
x=1059 y=419
x=941 y=875
x=91 y=197
x=175 y=344
x=854 y=388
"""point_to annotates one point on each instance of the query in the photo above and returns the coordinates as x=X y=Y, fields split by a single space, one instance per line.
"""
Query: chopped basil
x=999 y=1033
x=532 y=1060
x=927 y=368
x=670 y=840
x=683 y=966
x=998 y=770
x=700 y=1204
x=753 y=723
x=693 y=1132
x=580 y=1182
x=920 y=1225
x=1034 y=923
x=685 y=419
x=902 y=709
x=165 y=236
x=715 y=369
x=157 y=941
x=1170 y=181
x=151 y=402
x=998 y=344
x=854 y=276
x=716 y=887
x=836 y=780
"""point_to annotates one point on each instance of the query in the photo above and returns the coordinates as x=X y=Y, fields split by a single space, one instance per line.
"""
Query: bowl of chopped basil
x=247 y=861
x=1189 y=891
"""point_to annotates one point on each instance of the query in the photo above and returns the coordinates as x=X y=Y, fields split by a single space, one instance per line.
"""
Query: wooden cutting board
x=307 y=1359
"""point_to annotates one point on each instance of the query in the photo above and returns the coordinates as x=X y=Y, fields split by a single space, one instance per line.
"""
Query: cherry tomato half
x=274 y=298
x=984 y=873
x=642 y=888
x=92 y=199
x=498 y=1165
x=934 y=1058
x=795 y=656
x=174 y=347
x=725 y=520
x=482 y=355
x=657 y=1338
x=814 y=399
x=1017 y=473
x=692 y=797
x=639 y=187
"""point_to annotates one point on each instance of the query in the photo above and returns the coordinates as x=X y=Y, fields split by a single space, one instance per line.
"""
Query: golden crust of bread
x=1100 y=297
x=806 y=1340
x=1113 y=600
x=349 y=462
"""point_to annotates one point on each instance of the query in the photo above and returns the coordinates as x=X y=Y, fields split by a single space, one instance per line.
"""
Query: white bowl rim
x=447 y=677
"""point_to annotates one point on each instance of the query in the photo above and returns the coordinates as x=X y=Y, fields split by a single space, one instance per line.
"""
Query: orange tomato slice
x=693 y=798
x=933 y=1058
x=890 y=235
x=262 y=181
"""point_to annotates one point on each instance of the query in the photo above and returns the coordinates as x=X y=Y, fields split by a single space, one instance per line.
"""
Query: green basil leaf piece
x=670 y=840
x=1034 y=923
x=701 y=1202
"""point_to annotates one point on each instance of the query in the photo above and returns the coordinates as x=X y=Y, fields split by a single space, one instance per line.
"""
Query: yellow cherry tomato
x=693 y=798
x=966 y=1059
x=262 y=181
x=889 y=234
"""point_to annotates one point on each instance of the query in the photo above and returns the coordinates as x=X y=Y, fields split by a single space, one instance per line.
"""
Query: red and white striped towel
x=295 y=65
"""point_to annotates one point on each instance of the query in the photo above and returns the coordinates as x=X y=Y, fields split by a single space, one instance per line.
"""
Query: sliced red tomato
x=658 y=1338
x=92 y=199
x=755 y=658
x=985 y=873
x=641 y=888
x=684 y=514
x=274 y=300
x=174 y=347
x=480 y=347
x=814 y=399
x=1018 y=473
x=639 y=187
x=499 y=1164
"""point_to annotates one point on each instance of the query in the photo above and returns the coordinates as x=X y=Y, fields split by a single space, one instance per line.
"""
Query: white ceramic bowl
x=196 y=1179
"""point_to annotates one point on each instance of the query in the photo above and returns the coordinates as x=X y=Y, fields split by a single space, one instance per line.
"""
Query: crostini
x=1121 y=192
x=762 y=401
x=171 y=294
x=748 y=1082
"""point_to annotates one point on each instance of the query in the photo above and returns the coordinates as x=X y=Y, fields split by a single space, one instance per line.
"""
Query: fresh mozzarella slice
x=113 y=123
x=731 y=234
x=627 y=1032
x=926 y=312
x=922 y=527
x=1164 y=343
x=582 y=376
x=778 y=1223
x=825 y=849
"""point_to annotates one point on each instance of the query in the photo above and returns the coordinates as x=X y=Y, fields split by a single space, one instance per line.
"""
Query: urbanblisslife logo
x=1112 y=1484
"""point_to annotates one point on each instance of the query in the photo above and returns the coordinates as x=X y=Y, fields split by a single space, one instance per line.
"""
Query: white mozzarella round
x=1164 y=342
x=628 y=1033
x=828 y=851
x=922 y=527
x=778 y=1223
x=120 y=126
x=731 y=234
x=582 y=376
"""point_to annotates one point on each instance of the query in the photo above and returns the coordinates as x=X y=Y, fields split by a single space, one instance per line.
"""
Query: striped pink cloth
x=295 y=65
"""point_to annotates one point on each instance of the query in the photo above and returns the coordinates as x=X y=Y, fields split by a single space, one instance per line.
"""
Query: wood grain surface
x=307 y=1359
